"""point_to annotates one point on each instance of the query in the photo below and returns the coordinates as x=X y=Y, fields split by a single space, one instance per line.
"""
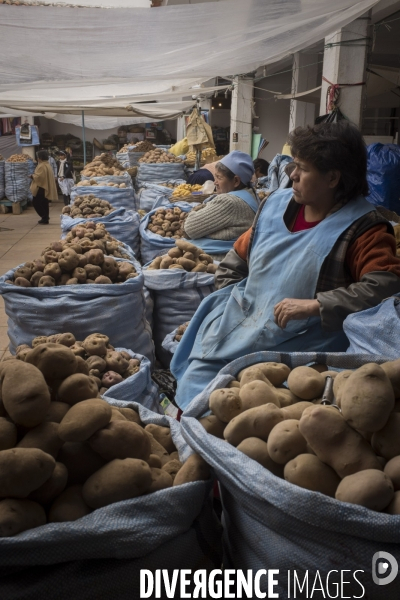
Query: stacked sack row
x=14 y=177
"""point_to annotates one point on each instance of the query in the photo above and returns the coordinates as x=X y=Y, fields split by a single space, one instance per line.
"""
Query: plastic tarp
x=383 y=176
x=156 y=172
x=253 y=34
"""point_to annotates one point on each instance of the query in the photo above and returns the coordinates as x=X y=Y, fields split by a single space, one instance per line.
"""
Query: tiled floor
x=23 y=240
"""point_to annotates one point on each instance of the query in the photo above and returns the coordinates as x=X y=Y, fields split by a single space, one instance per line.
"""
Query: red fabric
x=300 y=223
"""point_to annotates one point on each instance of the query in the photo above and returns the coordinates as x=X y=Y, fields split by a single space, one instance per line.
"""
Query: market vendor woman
x=315 y=254
x=217 y=224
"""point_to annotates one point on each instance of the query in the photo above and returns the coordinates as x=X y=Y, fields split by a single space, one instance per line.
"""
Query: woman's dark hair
x=262 y=165
x=43 y=155
x=229 y=175
x=334 y=146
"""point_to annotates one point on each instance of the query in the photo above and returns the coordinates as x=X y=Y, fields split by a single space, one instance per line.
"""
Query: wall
x=220 y=117
x=273 y=121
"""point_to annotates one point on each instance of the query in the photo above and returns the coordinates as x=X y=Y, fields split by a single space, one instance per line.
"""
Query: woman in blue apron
x=314 y=254
x=216 y=225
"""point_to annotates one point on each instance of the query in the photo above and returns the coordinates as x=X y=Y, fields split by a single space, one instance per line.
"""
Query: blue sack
x=375 y=330
x=273 y=524
x=17 y=182
x=152 y=195
x=2 y=180
x=129 y=159
x=100 y=556
x=170 y=344
x=152 y=244
x=383 y=176
x=118 y=197
x=121 y=224
x=155 y=172
x=115 y=310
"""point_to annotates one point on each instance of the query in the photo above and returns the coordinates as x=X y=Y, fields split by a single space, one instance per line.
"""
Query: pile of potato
x=185 y=189
x=103 y=363
x=17 y=158
x=350 y=451
x=87 y=182
x=139 y=147
x=187 y=257
x=102 y=165
x=1 y=157
x=65 y=452
x=172 y=186
x=159 y=156
x=168 y=222
x=88 y=207
x=180 y=331
x=93 y=235
x=208 y=155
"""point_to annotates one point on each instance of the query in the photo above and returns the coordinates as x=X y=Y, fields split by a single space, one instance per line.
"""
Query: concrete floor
x=23 y=240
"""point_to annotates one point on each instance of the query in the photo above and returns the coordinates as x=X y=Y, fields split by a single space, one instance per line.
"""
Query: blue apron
x=239 y=319
x=211 y=246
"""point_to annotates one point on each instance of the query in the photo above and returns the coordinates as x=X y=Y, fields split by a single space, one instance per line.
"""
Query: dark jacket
x=68 y=169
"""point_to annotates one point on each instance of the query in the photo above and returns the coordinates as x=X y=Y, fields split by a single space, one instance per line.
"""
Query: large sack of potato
x=17 y=180
x=150 y=193
x=375 y=330
x=157 y=166
x=153 y=244
x=129 y=159
x=80 y=309
x=2 y=178
x=125 y=514
x=281 y=458
x=117 y=190
x=121 y=224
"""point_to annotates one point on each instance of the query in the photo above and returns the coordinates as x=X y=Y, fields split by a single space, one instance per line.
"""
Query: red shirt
x=301 y=224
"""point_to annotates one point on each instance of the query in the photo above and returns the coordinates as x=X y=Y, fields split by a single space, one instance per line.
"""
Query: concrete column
x=180 y=128
x=242 y=114
x=305 y=77
x=347 y=64
x=29 y=150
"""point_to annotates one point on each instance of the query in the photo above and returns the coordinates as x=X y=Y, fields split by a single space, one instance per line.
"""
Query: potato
x=186 y=246
x=367 y=398
x=116 y=362
x=294 y=411
x=225 y=403
x=285 y=442
x=162 y=435
x=306 y=383
x=370 y=488
x=394 y=506
x=23 y=470
x=332 y=374
x=84 y=419
x=121 y=439
x=55 y=361
x=257 y=449
x=335 y=442
x=392 y=470
x=25 y=395
x=118 y=480
x=66 y=339
x=158 y=450
x=96 y=362
x=131 y=415
x=52 y=487
x=76 y=388
x=8 y=434
x=19 y=515
x=194 y=469
x=309 y=472
x=338 y=384
x=386 y=442
x=116 y=415
x=154 y=461
x=44 y=437
x=213 y=426
x=57 y=411
x=81 y=461
x=255 y=422
x=250 y=374
x=276 y=373
x=234 y=384
x=172 y=467
x=257 y=393
x=160 y=480
x=69 y=506
x=285 y=397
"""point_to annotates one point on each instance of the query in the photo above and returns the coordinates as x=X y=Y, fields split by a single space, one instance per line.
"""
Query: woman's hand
x=291 y=309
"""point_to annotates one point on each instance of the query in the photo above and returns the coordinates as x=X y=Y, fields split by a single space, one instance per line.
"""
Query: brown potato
x=160 y=480
x=225 y=404
x=44 y=437
x=154 y=461
x=19 y=515
x=367 y=398
x=370 y=488
x=95 y=346
x=121 y=439
x=55 y=361
x=158 y=450
x=8 y=434
x=392 y=370
x=69 y=506
x=76 y=388
x=57 y=411
x=309 y=472
x=25 y=394
x=306 y=383
x=394 y=506
x=172 y=467
x=194 y=469
x=257 y=393
x=84 y=419
x=335 y=442
x=131 y=415
x=276 y=373
x=250 y=374
x=162 y=435
x=338 y=384
x=392 y=470
x=285 y=442
x=258 y=450
x=213 y=426
x=294 y=411
x=255 y=422
x=116 y=415
x=118 y=480
x=285 y=397
x=81 y=461
x=234 y=384
x=52 y=487
x=386 y=442
x=23 y=470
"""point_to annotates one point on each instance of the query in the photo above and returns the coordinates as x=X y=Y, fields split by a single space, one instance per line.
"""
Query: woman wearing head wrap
x=43 y=187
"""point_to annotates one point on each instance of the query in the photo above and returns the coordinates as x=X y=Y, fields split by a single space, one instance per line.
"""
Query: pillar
x=305 y=77
x=347 y=64
x=242 y=114
x=29 y=150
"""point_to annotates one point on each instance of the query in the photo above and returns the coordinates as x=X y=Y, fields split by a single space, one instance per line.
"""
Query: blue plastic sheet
x=383 y=176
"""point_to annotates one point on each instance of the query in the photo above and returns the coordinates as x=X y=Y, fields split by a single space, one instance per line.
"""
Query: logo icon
x=384 y=568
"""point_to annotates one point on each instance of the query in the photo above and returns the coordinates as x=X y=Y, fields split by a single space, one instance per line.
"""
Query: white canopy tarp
x=174 y=44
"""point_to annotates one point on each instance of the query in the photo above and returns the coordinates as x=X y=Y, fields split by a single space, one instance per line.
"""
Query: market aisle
x=21 y=240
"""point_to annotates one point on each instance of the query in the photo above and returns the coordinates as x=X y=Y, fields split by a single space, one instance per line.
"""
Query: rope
x=348 y=43
x=333 y=92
